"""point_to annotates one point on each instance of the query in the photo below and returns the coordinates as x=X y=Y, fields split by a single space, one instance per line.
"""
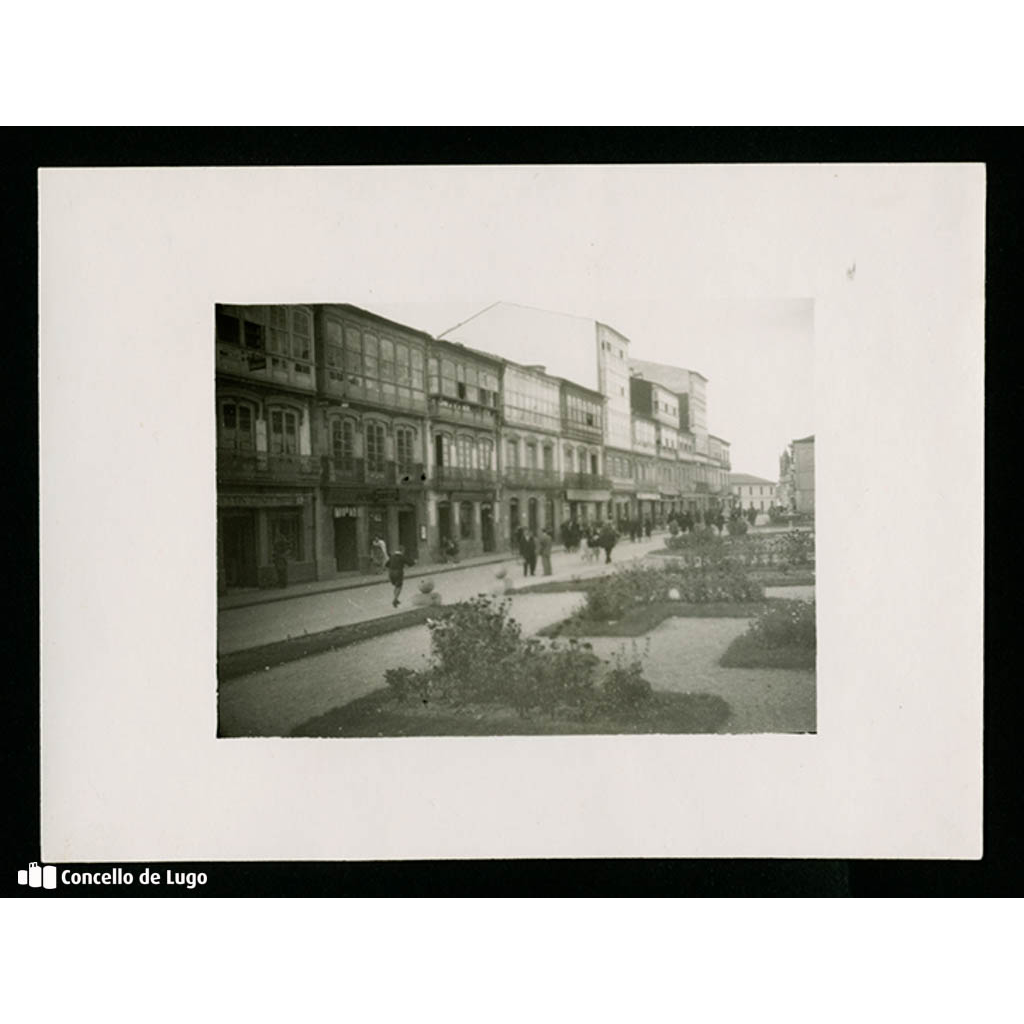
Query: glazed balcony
x=255 y=466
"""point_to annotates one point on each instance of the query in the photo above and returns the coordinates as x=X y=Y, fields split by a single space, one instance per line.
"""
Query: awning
x=572 y=495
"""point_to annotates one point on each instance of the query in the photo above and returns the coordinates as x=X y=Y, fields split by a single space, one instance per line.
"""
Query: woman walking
x=396 y=571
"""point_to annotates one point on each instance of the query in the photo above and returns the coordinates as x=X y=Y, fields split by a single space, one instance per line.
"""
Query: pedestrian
x=544 y=549
x=282 y=549
x=647 y=527
x=528 y=552
x=378 y=553
x=396 y=571
x=607 y=539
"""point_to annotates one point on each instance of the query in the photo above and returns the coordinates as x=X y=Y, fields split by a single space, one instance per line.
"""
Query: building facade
x=267 y=473
x=803 y=474
x=463 y=412
x=752 y=492
x=587 y=488
x=371 y=435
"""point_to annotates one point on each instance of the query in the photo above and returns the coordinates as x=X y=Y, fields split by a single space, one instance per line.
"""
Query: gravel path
x=684 y=657
x=273 y=702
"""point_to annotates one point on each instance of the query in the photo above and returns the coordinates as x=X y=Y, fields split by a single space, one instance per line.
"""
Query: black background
x=997 y=874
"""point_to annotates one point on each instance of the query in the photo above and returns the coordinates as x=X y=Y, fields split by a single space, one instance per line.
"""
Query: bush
x=798 y=547
x=737 y=527
x=624 y=687
x=466 y=643
x=715 y=578
x=786 y=624
x=405 y=682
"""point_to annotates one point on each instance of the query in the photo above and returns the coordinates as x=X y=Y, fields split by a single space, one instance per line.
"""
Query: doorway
x=407 y=531
x=238 y=530
x=444 y=521
x=487 y=526
x=531 y=515
x=513 y=518
x=346 y=547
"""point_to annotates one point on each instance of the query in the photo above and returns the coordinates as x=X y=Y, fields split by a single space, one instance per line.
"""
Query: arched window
x=485 y=453
x=512 y=453
x=465 y=451
x=405 y=448
x=283 y=431
x=237 y=425
x=343 y=444
x=374 y=447
x=569 y=463
x=442 y=450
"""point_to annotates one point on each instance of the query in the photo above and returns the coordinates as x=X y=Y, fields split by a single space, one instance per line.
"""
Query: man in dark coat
x=606 y=539
x=396 y=571
x=528 y=551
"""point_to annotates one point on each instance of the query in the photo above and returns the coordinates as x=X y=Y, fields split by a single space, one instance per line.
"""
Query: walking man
x=396 y=571
x=528 y=550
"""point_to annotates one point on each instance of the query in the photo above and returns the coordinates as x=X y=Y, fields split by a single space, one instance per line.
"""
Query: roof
x=805 y=440
x=674 y=378
x=746 y=478
x=347 y=306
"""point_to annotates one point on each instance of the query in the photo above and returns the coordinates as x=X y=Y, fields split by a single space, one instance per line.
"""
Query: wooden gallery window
x=284 y=432
x=343 y=444
x=374 y=447
x=237 y=425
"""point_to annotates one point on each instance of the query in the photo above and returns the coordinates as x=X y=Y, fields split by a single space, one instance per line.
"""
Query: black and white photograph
x=515 y=520
x=519 y=511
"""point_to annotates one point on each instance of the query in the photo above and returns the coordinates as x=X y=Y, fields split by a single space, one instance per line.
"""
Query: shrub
x=467 y=642
x=406 y=682
x=624 y=687
x=798 y=547
x=787 y=624
x=737 y=527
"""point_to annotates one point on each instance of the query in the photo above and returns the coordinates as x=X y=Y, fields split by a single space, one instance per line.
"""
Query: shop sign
x=258 y=500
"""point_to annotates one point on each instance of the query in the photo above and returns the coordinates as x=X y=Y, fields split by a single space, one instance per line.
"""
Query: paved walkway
x=684 y=657
x=273 y=702
x=336 y=603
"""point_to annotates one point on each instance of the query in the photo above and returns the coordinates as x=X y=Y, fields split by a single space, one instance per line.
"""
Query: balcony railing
x=339 y=470
x=455 y=476
x=238 y=465
x=586 y=482
x=701 y=487
x=517 y=476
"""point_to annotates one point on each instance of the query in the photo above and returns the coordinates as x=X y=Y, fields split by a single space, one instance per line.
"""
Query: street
x=243 y=627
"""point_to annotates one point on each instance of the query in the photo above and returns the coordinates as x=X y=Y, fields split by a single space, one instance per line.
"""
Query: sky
x=758 y=356
x=710 y=268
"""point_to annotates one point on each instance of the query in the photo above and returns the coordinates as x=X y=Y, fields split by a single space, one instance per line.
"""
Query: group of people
x=531 y=546
x=590 y=538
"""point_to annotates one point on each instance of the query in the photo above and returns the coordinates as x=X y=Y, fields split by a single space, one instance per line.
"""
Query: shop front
x=354 y=517
x=255 y=529
x=587 y=506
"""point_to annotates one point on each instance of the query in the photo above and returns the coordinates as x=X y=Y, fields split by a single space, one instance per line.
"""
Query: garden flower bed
x=783 y=635
x=485 y=678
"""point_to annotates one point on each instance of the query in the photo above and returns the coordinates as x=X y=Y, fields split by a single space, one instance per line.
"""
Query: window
x=374 y=448
x=253 y=334
x=531 y=456
x=289 y=526
x=237 y=425
x=448 y=382
x=405 y=448
x=387 y=360
x=512 y=454
x=593 y=464
x=343 y=443
x=227 y=329
x=284 y=432
x=549 y=458
x=371 y=362
x=466 y=451
x=485 y=454
x=568 y=460
x=466 y=520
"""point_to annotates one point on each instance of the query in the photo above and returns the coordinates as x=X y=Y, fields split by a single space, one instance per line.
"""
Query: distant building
x=803 y=474
x=752 y=491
